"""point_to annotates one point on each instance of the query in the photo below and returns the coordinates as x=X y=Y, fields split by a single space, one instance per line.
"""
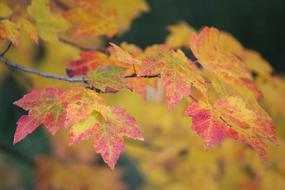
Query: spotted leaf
x=231 y=117
x=44 y=108
x=177 y=72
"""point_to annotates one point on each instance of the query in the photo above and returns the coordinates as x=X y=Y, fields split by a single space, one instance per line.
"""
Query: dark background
x=258 y=24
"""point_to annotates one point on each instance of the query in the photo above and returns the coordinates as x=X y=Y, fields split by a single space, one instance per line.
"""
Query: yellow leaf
x=54 y=175
x=256 y=63
x=48 y=24
x=179 y=35
x=228 y=43
x=91 y=18
x=217 y=52
x=29 y=28
x=104 y=17
x=126 y=11
x=208 y=46
x=273 y=88
x=5 y=11
x=9 y=30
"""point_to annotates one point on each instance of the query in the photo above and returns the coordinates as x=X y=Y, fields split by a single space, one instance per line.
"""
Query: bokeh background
x=258 y=24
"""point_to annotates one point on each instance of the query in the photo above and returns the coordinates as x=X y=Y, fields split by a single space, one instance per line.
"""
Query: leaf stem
x=134 y=75
x=59 y=77
x=6 y=49
x=84 y=80
x=73 y=44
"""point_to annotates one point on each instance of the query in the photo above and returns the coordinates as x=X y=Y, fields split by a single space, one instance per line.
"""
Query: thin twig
x=7 y=49
x=62 y=5
x=81 y=47
x=134 y=75
x=59 y=77
x=144 y=144
x=63 y=78
x=42 y=74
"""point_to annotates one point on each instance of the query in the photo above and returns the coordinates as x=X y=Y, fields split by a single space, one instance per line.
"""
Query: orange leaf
x=9 y=30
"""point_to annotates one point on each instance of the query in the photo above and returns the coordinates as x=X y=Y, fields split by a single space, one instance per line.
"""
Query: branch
x=61 y=5
x=7 y=49
x=144 y=144
x=80 y=47
x=134 y=75
x=42 y=74
x=58 y=77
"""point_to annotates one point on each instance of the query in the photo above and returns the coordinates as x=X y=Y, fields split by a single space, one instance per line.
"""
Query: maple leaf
x=108 y=76
x=121 y=55
x=86 y=13
x=85 y=113
x=89 y=61
x=130 y=57
x=139 y=85
x=179 y=36
x=17 y=20
x=177 y=72
x=80 y=101
x=108 y=132
x=126 y=11
x=206 y=123
x=255 y=62
x=226 y=47
x=273 y=88
x=230 y=117
x=235 y=86
x=110 y=16
x=252 y=59
x=44 y=108
x=5 y=10
x=127 y=58
x=209 y=46
x=228 y=43
x=121 y=61
x=106 y=124
x=48 y=24
x=132 y=49
x=29 y=28
x=9 y=30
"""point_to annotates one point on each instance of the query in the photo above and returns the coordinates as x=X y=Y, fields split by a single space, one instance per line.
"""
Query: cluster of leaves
x=84 y=113
x=222 y=87
x=221 y=91
x=48 y=19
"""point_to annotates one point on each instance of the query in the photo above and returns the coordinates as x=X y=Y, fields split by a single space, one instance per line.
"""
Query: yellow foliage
x=111 y=16
x=55 y=175
x=179 y=36
x=9 y=30
x=4 y=10
x=273 y=88
x=48 y=24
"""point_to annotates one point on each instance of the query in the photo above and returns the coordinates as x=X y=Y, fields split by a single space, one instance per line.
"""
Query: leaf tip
x=16 y=140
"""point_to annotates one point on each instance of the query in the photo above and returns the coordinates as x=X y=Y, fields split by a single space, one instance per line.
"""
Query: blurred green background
x=258 y=24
